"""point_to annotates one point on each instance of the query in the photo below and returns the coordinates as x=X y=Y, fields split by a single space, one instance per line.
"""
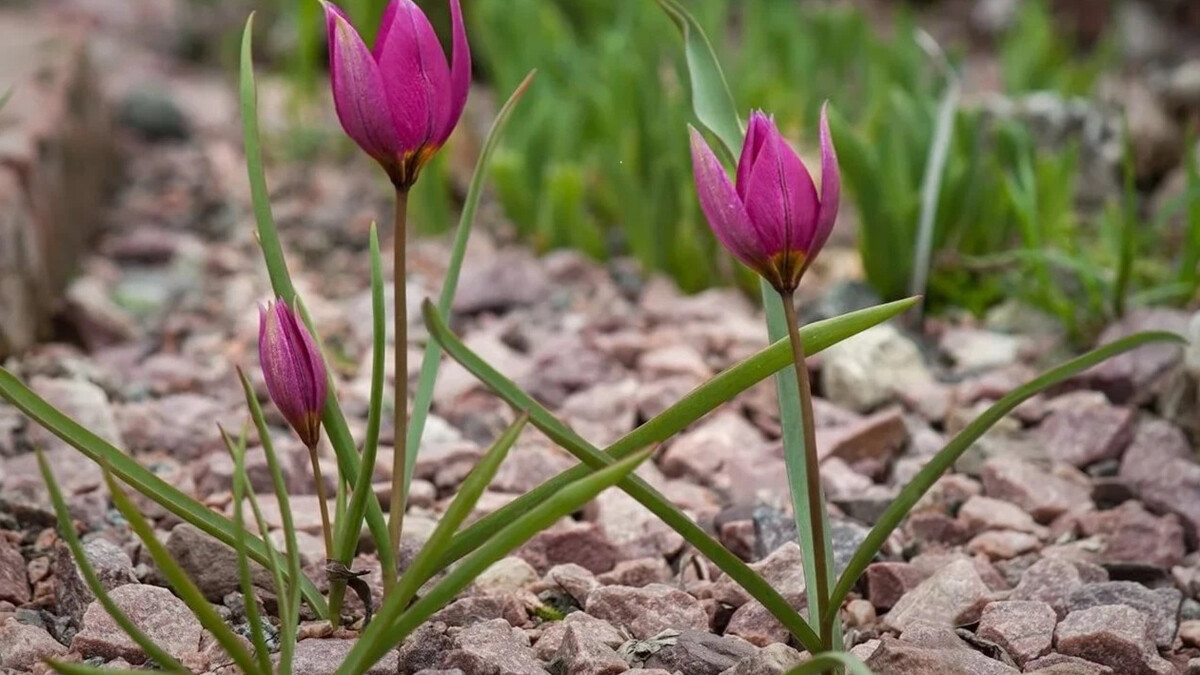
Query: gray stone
x=1025 y=629
x=1049 y=580
x=985 y=513
x=647 y=611
x=1061 y=664
x=584 y=544
x=501 y=282
x=872 y=368
x=553 y=633
x=425 y=648
x=1160 y=605
x=638 y=573
x=163 y=617
x=80 y=400
x=1134 y=376
x=1043 y=494
x=955 y=595
x=898 y=657
x=23 y=646
x=699 y=652
x=111 y=564
x=1158 y=466
x=14 y=583
x=887 y=582
x=1083 y=432
x=783 y=570
x=493 y=648
x=210 y=564
x=583 y=654
x=574 y=580
x=774 y=659
x=323 y=657
x=1115 y=635
x=474 y=609
x=507 y=575
x=1133 y=535
x=153 y=114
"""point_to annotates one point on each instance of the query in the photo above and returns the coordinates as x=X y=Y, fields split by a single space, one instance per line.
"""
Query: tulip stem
x=400 y=378
x=816 y=507
x=323 y=500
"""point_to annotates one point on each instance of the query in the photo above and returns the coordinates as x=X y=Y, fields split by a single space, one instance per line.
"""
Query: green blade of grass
x=429 y=362
x=135 y=475
x=827 y=661
x=565 y=502
x=281 y=282
x=704 y=399
x=424 y=565
x=711 y=100
x=289 y=613
x=246 y=581
x=67 y=530
x=179 y=581
x=349 y=528
x=945 y=458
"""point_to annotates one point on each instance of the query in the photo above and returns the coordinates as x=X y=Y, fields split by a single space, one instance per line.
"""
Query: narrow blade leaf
x=135 y=475
x=245 y=578
x=944 y=459
x=67 y=529
x=565 y=502
x=179 y=581
x=425 y=564
x=429 y=362
x=827 y=661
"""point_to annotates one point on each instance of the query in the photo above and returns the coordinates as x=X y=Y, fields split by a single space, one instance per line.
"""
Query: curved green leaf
x=136 y=476
x=827 y=661
x=944 y=459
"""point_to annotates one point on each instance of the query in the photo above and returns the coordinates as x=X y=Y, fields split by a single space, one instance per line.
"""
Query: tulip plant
x=400 y=101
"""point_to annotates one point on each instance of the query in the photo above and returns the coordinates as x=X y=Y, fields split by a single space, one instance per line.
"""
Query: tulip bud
x=772 y=220
x=293 y=369
x=400 y=100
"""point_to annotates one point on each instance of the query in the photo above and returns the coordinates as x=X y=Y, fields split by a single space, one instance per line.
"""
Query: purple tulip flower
x=293 y=369
x=772 y=220
x=400 y=100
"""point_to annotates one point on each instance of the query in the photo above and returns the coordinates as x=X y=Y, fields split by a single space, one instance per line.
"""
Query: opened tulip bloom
x=400 y=100
x=772 y=220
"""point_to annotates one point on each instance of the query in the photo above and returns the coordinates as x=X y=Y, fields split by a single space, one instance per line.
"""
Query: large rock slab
x=56 y=162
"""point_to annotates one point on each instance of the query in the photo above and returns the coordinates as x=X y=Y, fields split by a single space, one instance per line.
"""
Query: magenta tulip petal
x=757 y=131
x=460 y=73
x=385 y=28
x=415 y=76
x=358 y=93
x=831 y=184
x=719 y=201
x=293 y=370
x=781 y=198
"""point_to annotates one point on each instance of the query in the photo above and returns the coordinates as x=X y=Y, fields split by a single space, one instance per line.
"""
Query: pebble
x=1025 y=629
x=1114 y=635
x=953 y=596
x=493 y=648
x=163 y=617
x=648 y=610
x=1160 y=605
x=22 y=647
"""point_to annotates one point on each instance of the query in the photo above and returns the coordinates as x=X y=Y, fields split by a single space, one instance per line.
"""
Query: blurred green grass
x=598 y=160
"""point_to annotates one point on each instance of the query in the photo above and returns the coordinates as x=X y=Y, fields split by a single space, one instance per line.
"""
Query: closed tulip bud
x=400 y=100
x=772 y=220
x=293 y=369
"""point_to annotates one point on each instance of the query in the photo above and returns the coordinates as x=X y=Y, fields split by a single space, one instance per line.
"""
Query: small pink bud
x=772 y=220
x=400 y=100
x=293 y=369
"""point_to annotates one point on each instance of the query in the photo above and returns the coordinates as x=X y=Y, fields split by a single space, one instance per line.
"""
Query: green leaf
x=565 y=502
x=289 y=615
x=246 y=581
x=281 y=282
x=135 y=475
x=349 y=528
x=377 y=637
x=179 y=581
x=67 y=528
x=711 y=100
x=429 y=363
x=827 y=661
x=706 y=398
x=944 y=459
